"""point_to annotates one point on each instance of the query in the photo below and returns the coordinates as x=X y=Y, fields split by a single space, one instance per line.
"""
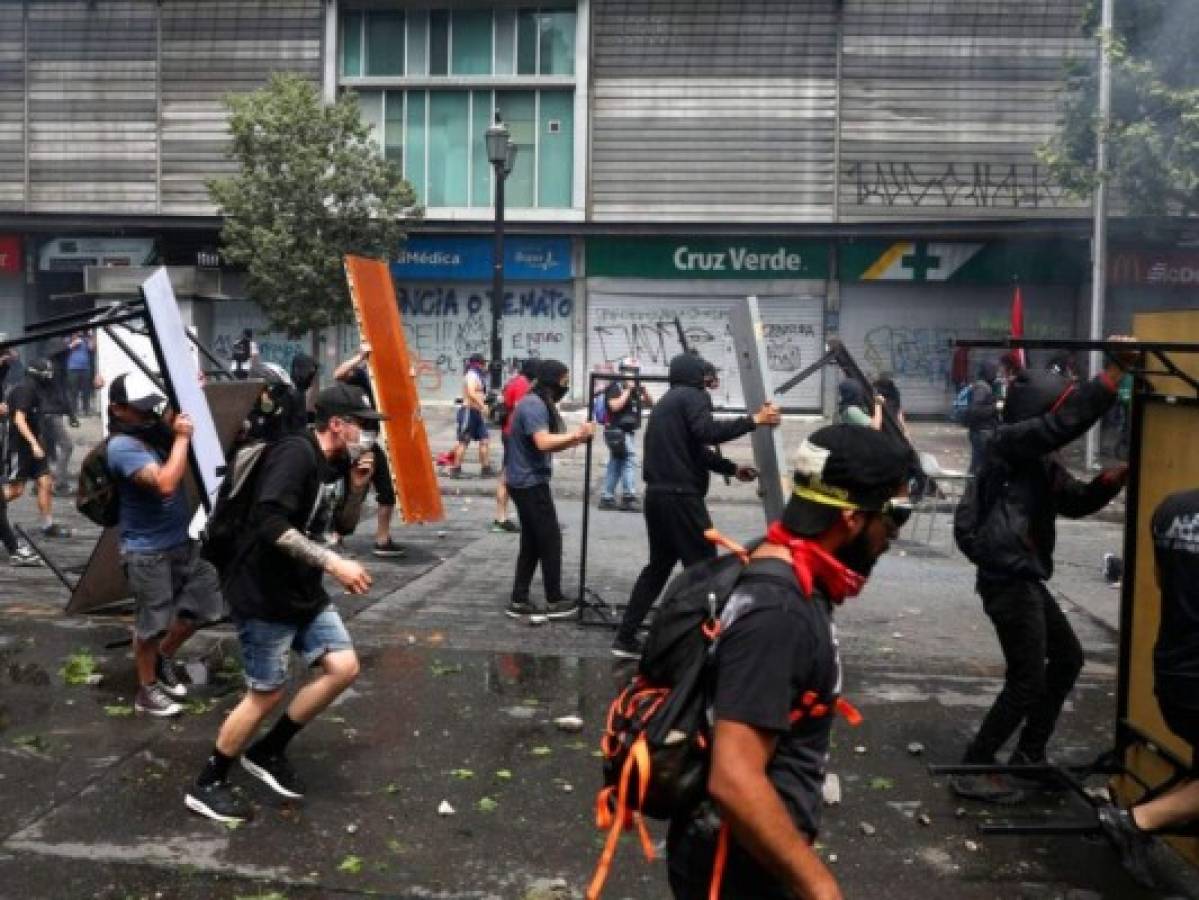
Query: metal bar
x=1061 y=344
x=587 y=452
x=61 y=330
x=50 y=564
x=807 y=373
x=134 y=358
x=1040 y=828
x=1174 y=371
x=65 y=318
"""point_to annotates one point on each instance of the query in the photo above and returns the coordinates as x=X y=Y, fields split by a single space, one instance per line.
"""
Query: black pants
x=540 y=542
x=8 y=537
x=691 y=854
x=676 y=524
x=1043 y=658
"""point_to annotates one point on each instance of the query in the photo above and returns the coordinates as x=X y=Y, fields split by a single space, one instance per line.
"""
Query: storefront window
x=384 y=43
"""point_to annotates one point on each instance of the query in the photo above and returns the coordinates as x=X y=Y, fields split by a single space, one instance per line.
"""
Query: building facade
x=867 y=168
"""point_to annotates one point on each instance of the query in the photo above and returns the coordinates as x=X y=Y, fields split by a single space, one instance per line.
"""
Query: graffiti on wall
x=444 y=324
x=232 y=317
x=965 y=184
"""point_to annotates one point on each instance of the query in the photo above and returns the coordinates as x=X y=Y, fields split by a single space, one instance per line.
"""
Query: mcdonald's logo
x=1125 y=268
x=10 y=254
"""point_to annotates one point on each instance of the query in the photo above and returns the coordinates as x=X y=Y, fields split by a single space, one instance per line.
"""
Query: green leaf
x=273 y=895
x=351 y=865
x=392 y=788
x=118 y=711
x=503 y=774
x=78 y=668
x=541 y=751
x=487 y=804
x=881 y=784
x=462 y=774
x=33 y=742
x=439 y=670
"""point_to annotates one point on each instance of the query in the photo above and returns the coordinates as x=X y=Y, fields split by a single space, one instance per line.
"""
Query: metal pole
x=497 y=283
x=1099 y=238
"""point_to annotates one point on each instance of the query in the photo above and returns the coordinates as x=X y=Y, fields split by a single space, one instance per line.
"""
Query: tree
x=312 y=187
x=1153 y=134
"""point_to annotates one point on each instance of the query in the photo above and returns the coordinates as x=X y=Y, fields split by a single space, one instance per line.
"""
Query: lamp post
x=501 y=153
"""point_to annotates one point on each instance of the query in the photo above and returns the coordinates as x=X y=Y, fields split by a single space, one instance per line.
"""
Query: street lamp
x=501 y=153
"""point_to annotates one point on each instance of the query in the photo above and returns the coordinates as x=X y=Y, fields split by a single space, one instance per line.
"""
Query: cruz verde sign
x=733 y=258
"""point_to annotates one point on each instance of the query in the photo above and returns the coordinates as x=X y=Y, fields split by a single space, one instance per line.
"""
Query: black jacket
x=1023 y=487
x=983 y=412
x=682 y=431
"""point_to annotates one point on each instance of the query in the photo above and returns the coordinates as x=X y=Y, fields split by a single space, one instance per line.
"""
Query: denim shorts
x=471 y=425
x=265 y=646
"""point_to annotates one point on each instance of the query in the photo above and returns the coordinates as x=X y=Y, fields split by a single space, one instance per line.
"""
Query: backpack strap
x=621 y=818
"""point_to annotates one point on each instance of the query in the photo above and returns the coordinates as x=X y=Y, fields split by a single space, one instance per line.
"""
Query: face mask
x=857 y=555
x=559 y=391
x=366 y=442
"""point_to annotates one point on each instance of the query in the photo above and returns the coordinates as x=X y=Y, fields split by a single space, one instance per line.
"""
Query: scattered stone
x=352 y=828
x=442 y=534
x=832 y=790
x=915 y=748
x=569 y=724
x=860 y=749
x=867 y=829
x=832 y=857
x=537 y=621
x=972 y=846
x=94 y=679
x=568 y=788
x=924 y=819
x=959 y=813
x=445 y=809
x=897 y=635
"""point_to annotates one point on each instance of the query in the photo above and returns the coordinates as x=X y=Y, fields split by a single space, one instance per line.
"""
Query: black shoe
x=507 y=526
x=1034 y=781
x=607 y=503
x=1130 y=842
x=487 y=472
x=561 y=609
x=626 y=648
x=630 y=504
x=168 y=680
x=276 y=773
x=455 y=472
x=520 y=609
x=389 y=548
x=55 y=531
x=991 y=788
x=218 y=802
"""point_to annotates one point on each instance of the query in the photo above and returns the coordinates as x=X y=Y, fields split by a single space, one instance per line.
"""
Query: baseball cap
x=138 y=393
x=843 y=467
x=345 y=401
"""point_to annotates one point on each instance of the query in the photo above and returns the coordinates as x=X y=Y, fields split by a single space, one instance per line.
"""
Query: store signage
x=76 y=254
x=10 y=254
x=707 y=258
x=961 y=262
x=470 y=259
x=1134 y=266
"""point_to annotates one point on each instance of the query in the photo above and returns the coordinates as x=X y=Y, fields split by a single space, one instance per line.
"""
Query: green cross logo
x=920 y=262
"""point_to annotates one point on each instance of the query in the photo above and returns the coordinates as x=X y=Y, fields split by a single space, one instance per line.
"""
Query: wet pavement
x=456 y=704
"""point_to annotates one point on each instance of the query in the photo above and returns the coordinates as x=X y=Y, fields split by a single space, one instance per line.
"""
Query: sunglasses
x=896 y=513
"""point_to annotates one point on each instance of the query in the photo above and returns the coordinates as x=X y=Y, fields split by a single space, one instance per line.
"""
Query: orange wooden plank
x=404 y=438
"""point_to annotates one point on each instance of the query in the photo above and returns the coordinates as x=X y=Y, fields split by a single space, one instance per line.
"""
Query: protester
x=25 y=405
x=853 y=405
x=81 y=355
x=679 y=454
x=19 y=554
x=173 y=588
x=537 y=432
x=472 y=418
x=513 y=392
x=624 y=399
x=58 y=408
x=244 y=353
x=270 y=418
x=303 y=371
x=308 y=483
x=776 y=675
x=1175 y=530
x=356 y=371
x=981 y=415
x=1021 y=487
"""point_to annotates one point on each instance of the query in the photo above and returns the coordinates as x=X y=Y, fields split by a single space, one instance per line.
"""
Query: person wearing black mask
x=173 y=588
x=982 y=412
x=679 y=456
x=1019 y=490
x=26 y=407
x=537 y=432
x=304 y=370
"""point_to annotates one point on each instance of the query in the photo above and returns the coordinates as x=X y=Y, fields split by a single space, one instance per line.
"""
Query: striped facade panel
x=712 y=110
x=944 y=103
x=92 y=106
x=12 y=107
x=211 y=48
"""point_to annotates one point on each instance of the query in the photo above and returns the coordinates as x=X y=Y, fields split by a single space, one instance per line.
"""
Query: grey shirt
x=525 y=465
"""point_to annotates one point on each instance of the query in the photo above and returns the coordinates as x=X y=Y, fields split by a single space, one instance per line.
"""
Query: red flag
x=1018 y=327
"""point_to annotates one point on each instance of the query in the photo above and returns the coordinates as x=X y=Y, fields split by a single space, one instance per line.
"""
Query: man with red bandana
x=776 y=675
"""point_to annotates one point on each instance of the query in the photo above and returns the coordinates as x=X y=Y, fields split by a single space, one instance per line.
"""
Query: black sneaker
x=487 y=472
x=519 y=609
x=217 y=802
x=276 y=773
x=168 y=680
x=389 y=548
x=154 y=701
x=561 y=609
x=1133 y=844
x=505 y=527
x=55 y=531
x=630 y=504
x=607 y=503
x=992 y=788
x=455 y=471
x=626 y=648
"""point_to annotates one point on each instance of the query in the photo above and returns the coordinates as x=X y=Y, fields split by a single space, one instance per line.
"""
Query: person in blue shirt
x=174 y=589
x=81 y=350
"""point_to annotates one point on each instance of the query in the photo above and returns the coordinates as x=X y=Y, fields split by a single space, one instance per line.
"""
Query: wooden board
x=1167 y=463
x=103 y=580
x=404 y=438
x=1173 y=326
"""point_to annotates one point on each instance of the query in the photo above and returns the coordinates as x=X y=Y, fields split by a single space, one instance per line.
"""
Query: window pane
x=371 y=104
x=384 y=43
x=557 y=35
x=480 y=173
x=351 y=44
x=472 y=42
x=505 y=42
x=555 y=153
x=439 y=42
x=448 y=136
x=414 y=152
x=526 y=42
x=393 y=128
x=518 y=112
x=418 y=36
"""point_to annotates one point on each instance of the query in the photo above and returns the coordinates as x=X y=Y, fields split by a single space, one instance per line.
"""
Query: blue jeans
x=623 y=471
x=265 y=646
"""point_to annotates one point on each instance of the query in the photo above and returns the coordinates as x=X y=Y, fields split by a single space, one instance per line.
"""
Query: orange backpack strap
x=622 y=818
x=849 y=712
x=719 y=863
x=712 y=536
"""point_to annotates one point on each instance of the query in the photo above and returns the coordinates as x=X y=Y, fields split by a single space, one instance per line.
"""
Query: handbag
x=615 y=439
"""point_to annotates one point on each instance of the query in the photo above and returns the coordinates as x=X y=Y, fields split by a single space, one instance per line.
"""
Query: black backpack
x=224 y=537
x=96 y=495
x=976 y=504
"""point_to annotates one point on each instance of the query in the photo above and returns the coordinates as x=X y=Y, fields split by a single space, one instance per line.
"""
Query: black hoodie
x=682 y=431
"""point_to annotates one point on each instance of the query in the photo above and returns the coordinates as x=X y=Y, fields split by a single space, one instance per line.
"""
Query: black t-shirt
x=1176 y=548
x=628 y=418
x=26 y=398
x=778 y=655
x=296 y=488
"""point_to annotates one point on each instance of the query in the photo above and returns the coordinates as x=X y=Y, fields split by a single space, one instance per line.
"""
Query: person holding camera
x=624 y=399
